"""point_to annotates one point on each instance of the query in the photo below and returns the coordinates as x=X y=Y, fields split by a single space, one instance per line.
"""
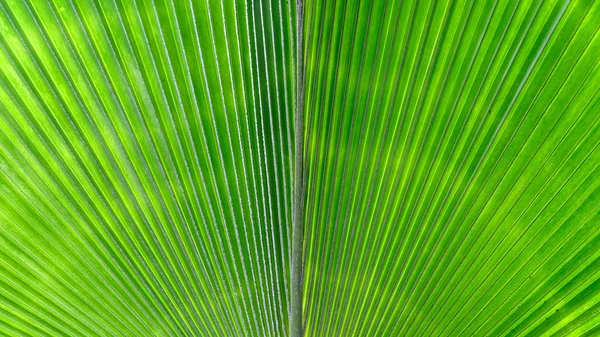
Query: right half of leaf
x=452 y=168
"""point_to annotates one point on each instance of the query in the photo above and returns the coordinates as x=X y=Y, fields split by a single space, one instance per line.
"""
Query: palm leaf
x=452 y=168
x=327 y=168
x=146 y=151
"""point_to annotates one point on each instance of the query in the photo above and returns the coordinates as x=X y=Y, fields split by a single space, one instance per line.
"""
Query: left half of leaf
x=145 y=167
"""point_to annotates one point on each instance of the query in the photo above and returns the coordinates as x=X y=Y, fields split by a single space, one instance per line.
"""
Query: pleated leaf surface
x=145 y=158
x=452 y=168
x=450 y=163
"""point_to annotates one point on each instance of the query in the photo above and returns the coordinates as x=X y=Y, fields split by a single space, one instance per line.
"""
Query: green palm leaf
x=146 y=151
x=326 y=168
x=453 y=183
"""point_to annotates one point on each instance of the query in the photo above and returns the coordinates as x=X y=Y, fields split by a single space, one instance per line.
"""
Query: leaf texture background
x=145 y=151
x=452 y=168
x=450 y=164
